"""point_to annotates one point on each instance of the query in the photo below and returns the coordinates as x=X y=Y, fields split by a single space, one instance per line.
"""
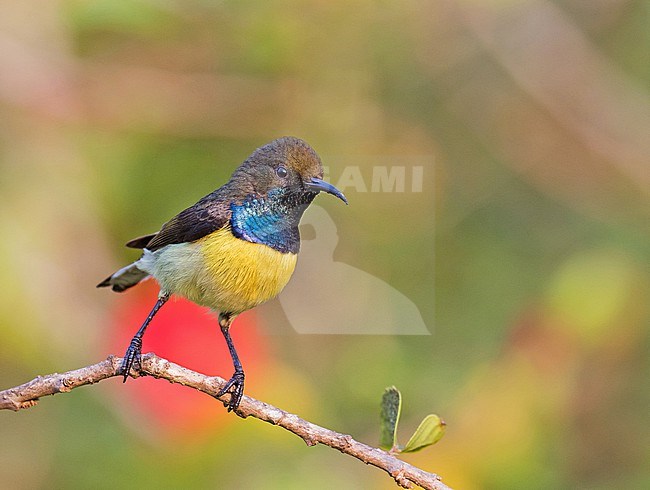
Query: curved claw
x=234 y=386
x=131 y=358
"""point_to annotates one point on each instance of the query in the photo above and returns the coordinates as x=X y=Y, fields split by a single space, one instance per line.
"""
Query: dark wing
x=140 y=242
x=209 y=214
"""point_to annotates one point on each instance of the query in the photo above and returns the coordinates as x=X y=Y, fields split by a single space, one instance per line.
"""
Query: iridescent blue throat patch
x=271 y=221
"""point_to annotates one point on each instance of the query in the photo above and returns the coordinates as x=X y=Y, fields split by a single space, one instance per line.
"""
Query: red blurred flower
x=188 y=335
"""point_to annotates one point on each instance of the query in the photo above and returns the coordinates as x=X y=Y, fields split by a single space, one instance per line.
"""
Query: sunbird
x=234 y=249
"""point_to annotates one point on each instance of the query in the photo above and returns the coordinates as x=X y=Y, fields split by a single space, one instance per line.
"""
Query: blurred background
x=525 y=249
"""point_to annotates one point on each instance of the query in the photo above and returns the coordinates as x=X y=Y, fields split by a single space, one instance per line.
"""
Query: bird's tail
x=125 y=278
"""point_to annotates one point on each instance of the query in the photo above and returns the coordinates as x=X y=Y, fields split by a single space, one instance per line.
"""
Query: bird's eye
x=281 y=172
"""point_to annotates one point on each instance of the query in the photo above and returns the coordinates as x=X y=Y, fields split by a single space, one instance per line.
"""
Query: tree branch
x=404 y=474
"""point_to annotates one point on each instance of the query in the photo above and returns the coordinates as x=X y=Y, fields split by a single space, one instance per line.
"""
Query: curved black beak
x=317 y=185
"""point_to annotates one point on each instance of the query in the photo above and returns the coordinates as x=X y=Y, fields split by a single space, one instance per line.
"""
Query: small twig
x=27 y=395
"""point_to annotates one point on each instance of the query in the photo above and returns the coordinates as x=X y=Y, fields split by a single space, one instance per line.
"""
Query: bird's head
x=284 y=167
x=271 y=190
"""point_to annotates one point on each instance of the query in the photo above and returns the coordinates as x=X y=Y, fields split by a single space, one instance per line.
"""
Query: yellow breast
x=238 y=275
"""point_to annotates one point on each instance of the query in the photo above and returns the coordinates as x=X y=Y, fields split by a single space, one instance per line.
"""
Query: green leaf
x=391 y=407
x=430 y=431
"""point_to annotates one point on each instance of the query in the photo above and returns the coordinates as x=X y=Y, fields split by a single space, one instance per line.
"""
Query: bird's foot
x=235 y=386
x=131 y=358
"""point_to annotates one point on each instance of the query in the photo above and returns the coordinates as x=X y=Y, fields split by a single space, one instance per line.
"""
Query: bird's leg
x=235 y=386
x=132 y=355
